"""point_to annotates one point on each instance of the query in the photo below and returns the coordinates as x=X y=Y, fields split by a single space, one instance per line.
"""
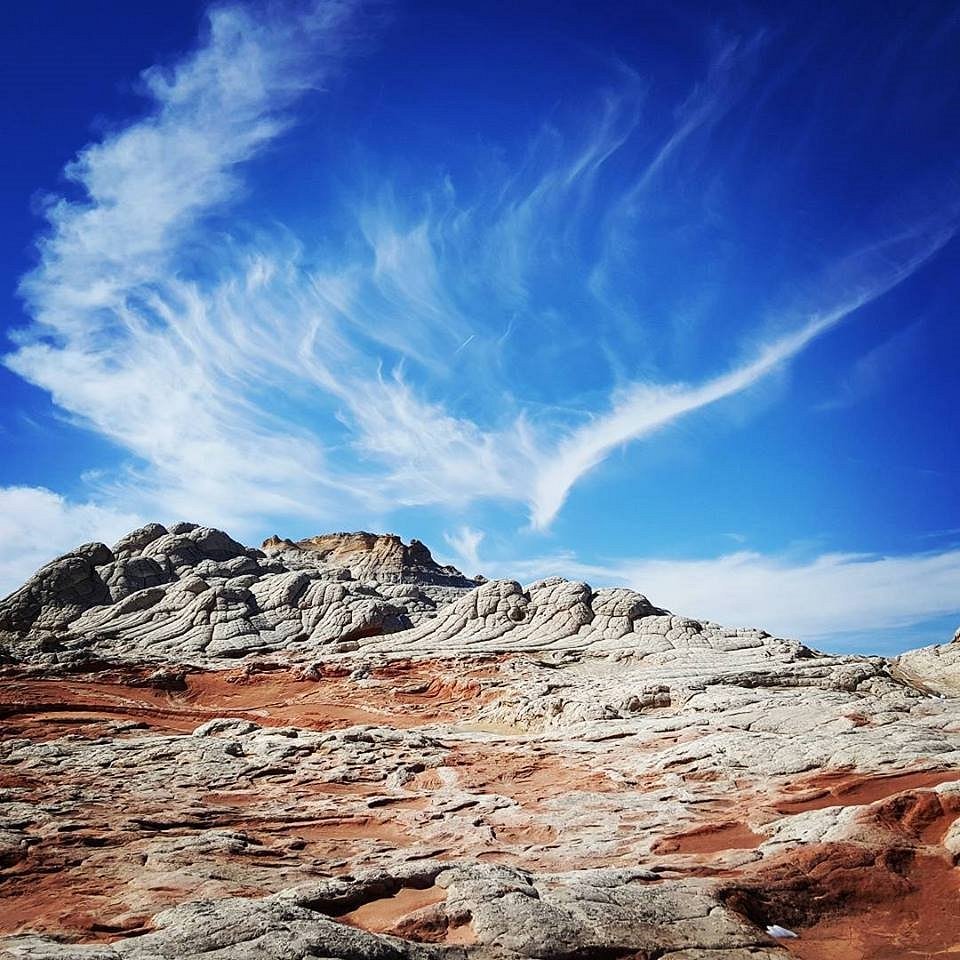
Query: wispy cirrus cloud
x=876 y=369
x=124 y=341
x=465 y=542
x=270 y=376
x=642 y=408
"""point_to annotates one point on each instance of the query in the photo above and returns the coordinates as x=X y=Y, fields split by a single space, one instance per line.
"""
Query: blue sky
x=662 y=297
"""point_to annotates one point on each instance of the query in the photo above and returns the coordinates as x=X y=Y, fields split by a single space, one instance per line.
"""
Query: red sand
x=382 y=916
x=923 y=816
x=412 y=694
x=924 y=922
x=712 y=838
x=407 y=914
x=73 y=880
x=845 y=789
x=86 y=901
x=530 y=780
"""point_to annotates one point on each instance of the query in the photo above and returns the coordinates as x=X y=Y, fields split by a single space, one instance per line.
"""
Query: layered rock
x=345 y=750
x=936 y=668
x=193 y=594
x=370 y=557
x=59 y=592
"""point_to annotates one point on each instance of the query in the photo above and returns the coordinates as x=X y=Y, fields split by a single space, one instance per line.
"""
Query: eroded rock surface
x=339 y=748
x=372 y=557
x=193 y=594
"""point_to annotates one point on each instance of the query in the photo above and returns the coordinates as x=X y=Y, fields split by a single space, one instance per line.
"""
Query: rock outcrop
x=193 y=594
x=370 y=557
x=937 y=668
x=59 y=592
x=339 y=748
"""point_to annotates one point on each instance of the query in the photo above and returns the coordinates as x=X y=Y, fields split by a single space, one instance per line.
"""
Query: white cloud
x=831 y=594
x=828 y=596
x=37 y=525
x=432 y=456
x=465 y=541
x=165 y=367
x=248 y=387
x=641 y=408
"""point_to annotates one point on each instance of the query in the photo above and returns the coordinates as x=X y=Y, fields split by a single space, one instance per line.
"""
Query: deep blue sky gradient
x=840 y=128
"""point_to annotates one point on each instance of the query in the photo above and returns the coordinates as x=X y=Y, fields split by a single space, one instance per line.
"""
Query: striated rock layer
x=339 y=748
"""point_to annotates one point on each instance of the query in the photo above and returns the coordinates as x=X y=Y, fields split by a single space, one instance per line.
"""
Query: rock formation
x=370 y=557
x=339 y=748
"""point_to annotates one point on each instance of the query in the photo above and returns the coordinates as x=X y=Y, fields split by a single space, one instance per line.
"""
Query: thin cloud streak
x=876 y=370
x=644 y=408
x=465 y=542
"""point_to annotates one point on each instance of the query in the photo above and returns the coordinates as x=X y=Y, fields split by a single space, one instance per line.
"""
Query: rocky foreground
x=338 y=748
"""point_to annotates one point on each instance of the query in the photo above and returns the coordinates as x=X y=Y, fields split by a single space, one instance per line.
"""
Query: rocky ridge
x=339 y=748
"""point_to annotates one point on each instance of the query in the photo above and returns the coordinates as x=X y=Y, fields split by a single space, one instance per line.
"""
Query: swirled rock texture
x=193 y=594
x=340 y=748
